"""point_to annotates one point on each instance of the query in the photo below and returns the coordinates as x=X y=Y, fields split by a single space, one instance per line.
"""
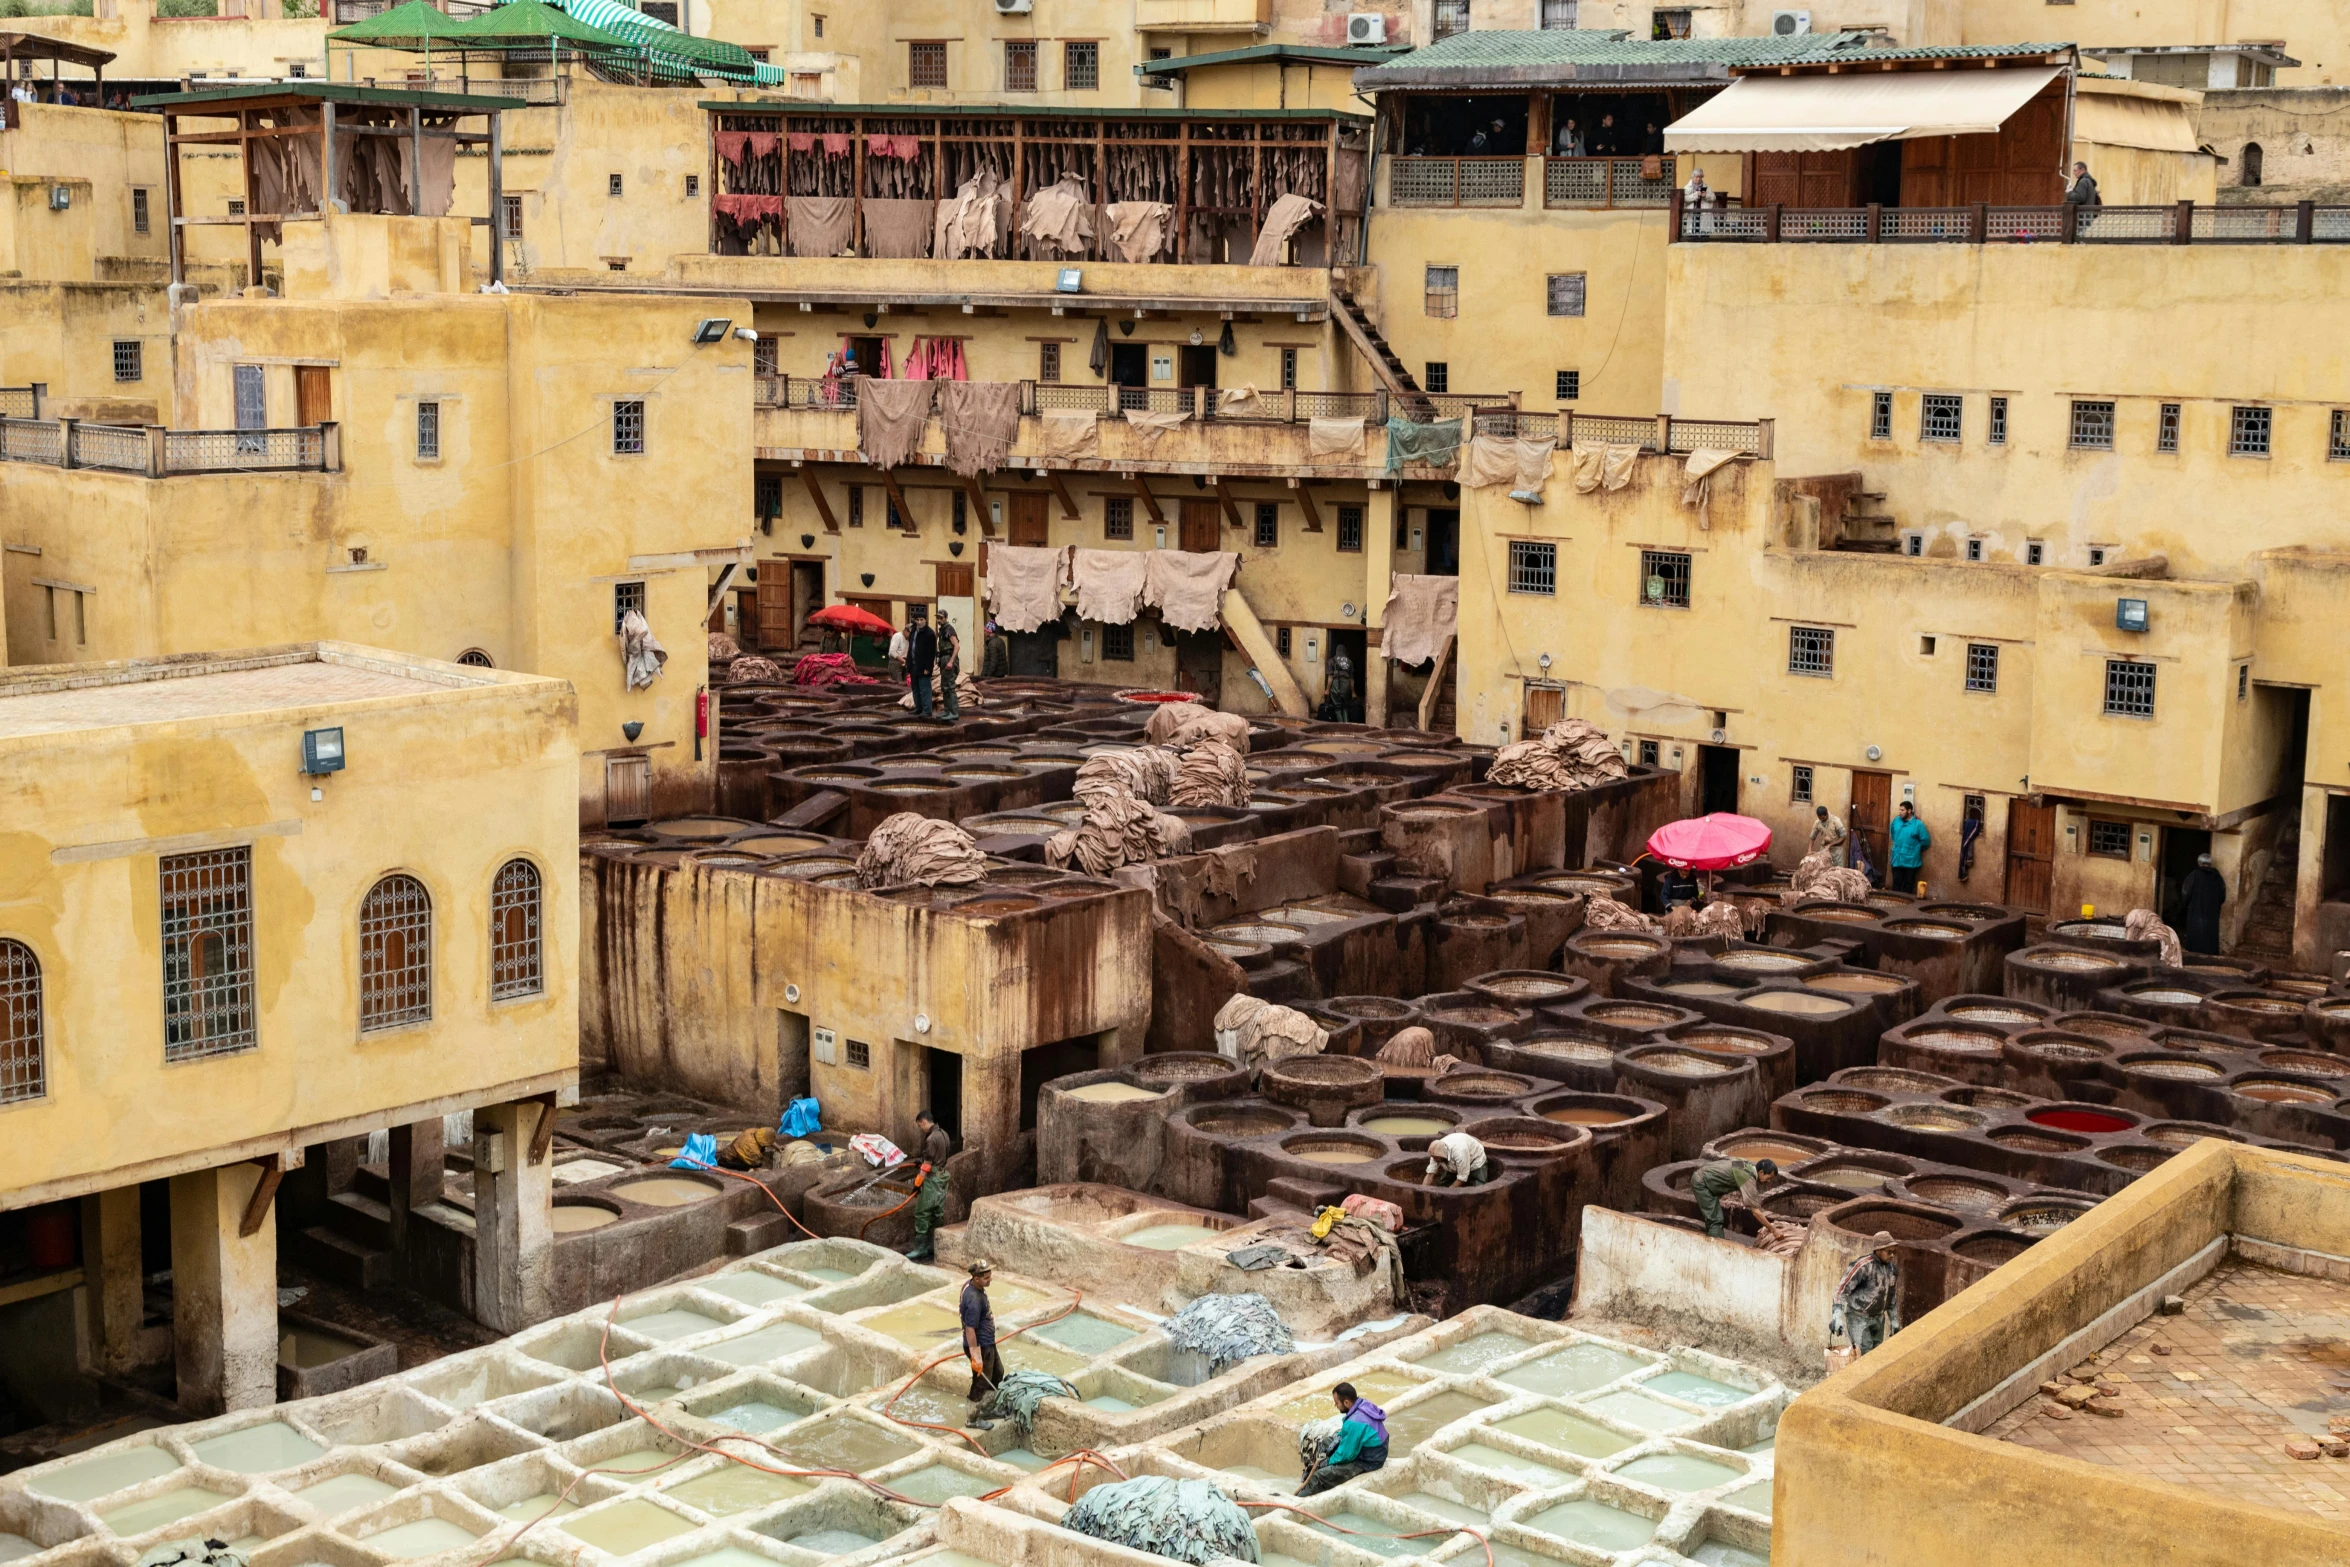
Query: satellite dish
x=1661 y=707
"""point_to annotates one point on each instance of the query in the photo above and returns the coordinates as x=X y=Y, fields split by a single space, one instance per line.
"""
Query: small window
x=1289 y=369
x=23 y=1065
x=1941 y=417
x=626 y=596
x=1913 y=544
x=2166 y=429
x=1811 y=650
x=1533 y=567
x=1568 y=386
x=1926 y=646
x=1998 y=435
x=693 y=185
x=477 y=658
x=1019 y=65
x=1664 y=579
x=2096 y=554
x=2035 y=553
x=1081 y=67
x=856 y=506
x=1564 y=291
x=1281 y=640
x=2092 y=427
x=858 y=1054
x=1438 y=377
x=1350 y=530
x=1048 y=362
x=926 y=64
x=2251 y=160
x=207 y=902
x=2110 y=839
x=1118 y=517
x=428 y=432
x=1880 y=416
x=1118 y=643
x=395 y=954
x=2338 y=437
x=1974 y=549
x=2248 y=431
x=2243 y=681
x=1268 y=525
x=515 y=963
x=616 y=263
x=236 y=207
x=891 y=517
x=1559 y=14
x=2129 y=689
x=1161 y=82
x=129 y=360
x=1442 y=292
x=1799 y=783
x=628 y=427
x=612 y=186
x=140 y=223
x=763 y=360
x=1982 y=666
x=1452 y=16
x=1648 y=753
x=510 y=208
x=959 y=512
x=819 y=25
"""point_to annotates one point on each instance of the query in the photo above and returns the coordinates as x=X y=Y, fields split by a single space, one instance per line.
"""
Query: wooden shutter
x=628 y=788
x=1031 y=520
x=951 y=582
x=313 y=402
x=1201 y=522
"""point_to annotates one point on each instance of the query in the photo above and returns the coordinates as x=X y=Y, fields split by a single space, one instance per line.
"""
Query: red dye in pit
x=1158 y=696
x=2080 y=1120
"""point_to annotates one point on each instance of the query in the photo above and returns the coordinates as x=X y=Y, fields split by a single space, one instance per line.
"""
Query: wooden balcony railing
x=2186 y=223
x=1456 y=182
x=1206 y=403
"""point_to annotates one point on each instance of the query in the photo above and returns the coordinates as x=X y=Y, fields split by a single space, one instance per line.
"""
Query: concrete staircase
x=1865 y=530
x=353 y=1246
x=2268 y=930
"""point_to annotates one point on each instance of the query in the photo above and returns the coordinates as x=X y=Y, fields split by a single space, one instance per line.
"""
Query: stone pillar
x=513 y=1202
x=416 y=1176
x=112 y=1278
x=1378 y=580
x=223 y=1292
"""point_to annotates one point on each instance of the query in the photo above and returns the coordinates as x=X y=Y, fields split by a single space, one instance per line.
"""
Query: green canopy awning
x=415 y=24
x=533 y=24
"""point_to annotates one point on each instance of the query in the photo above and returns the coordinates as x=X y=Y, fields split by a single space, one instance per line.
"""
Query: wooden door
x=1545 y=706
x=2031 y=854
x=313 y=404
x=773 y=628
x=1872 y=810
x=1031 y=519
x=1201 y=520
x=951 y=582
x=628 y=788
x=807 y=596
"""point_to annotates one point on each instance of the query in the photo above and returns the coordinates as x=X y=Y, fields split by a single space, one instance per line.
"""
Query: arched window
x=2252 y=159
x=23 y=1070
x=515 y=969
x=476 y=658
x=395 y=954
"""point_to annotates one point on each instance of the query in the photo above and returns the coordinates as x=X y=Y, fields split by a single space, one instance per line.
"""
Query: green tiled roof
x=1968 y=52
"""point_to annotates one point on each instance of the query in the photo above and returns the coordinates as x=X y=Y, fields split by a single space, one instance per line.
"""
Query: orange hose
x=1380 y=1534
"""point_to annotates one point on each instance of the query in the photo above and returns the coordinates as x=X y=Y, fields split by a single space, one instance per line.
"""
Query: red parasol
x=1711 y=843
x=848 y=617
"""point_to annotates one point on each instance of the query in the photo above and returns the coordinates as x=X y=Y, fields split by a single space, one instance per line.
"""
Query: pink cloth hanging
x=947 y=364
x=802 y=141
x=917 y=367
x=836 y=144
x=731 y=145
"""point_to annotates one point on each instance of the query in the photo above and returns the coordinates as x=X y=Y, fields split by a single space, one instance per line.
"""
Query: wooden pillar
x=171 y=198
x=497 y=152
x=1019 y=177
x=1183 y=194
x=252 y=231
x=416 y=161
x=326 y=159
x=857 y=187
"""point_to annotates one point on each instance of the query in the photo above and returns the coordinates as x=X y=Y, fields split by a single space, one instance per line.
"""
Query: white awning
x=1853 y=109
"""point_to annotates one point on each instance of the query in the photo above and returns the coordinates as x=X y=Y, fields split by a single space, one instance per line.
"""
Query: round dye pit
x=664 y=1191
x=1988 y=1098
x=1838 y=1101
x=1332 y=1150
x=1930 y=930
x=1730 y=1041
x=2037 y=1142
x=1406 y=1125
x=1631 y=1014
x=1782 y=1154
x=1680 y=1063
x=2136 y=1156
x=2277 y=1090
x=1957 y=1041
x=1113 y=1093
x=1802 y=1003
x=2070 y=1118
x=570 y=1218
x=1893 y=1079
x=1993 y=1012
x=1761 y=962
x=1932 y=1118
x=1855 y=984
x=1240 y=1123
x=2065 y=960
x=2178 y=1067
x=1955 y=1191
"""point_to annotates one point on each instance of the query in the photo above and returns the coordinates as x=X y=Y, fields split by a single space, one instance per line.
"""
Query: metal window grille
x=395 y=954
x=2248 y=431
x=860 y=1055
x=207 y=902
x=139 y=219
x=1161 y=83
x=1998 y=435
x=130 y=361
x=236 y=207
x=1268 y=525
x=1048 y=361
x=1081 y=67
x=626 y=596
x=2035 y=553
x=1118 y=518
x=1452 y=16
x=1559 y=14
x=1289 y=369
x=1941 y=417
x=1442 y=292
x=1570 y=385
x=2243 y=681
x=2338 y=437
x=1350 y=529
x=515 y=963
x=891 y=517
x=1564 y=290
x=2166 y=430
x=2110 y=838
x=1533 y=567
x=1811 y=650
x=2092 y=429
x=926 y=65
x=252 y=398
x=819 y=21
x=23 y=1068
x=428 y=431
x=1982 y=666
x=2129 y=689
x=1118 y=643
x=510 y=217
x=628 y=426
x=1648 y=753
x=856 y=506
x=1438 y=377
x=1799 y=786
x=693 y=184
x=1974 y=549
x=1881 y=416
x=475 y=658
x=1664 y=578
x=613 y=185
x=1281 y=640
x=766 y=495
x=1019 y=65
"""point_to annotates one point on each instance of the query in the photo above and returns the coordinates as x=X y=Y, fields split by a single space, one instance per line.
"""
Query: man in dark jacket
x=921 y=663
x=995 y=657
x=950 y=667
x=1867 y=1307
x=2201 y=896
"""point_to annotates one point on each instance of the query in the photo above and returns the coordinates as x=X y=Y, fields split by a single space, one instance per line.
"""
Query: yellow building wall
x=149 y=48
x=1271 y=84
x=63 y=334
x=2318 y=36
x=445 y=784
x=111 y=155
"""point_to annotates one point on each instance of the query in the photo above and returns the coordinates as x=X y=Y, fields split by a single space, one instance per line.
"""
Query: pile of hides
x=752 y=667
x=1413 y=1046
x=1256 y=1033
x=1285 y=217
x=891 y=416
x=913 y=850
x=1317 y=1440
x=1784 y=1239
x=1187 y=587
x=981 y=419
x=1145 y=771
x=1722 y=917
x=1423 y=613
x=1188 y=1520
x=1119 y=828
x=1227 y=1329
x=1024 y=584
x=829 y=669
x=1211 y=773
x=1602 y=913
x=1814 y=877
x=1603 y=467
x=1181 y=725
x=642 y=651
x=1356 y=1241
x=723 y=648
x=198 y=1552
x=976 y=221
x=1018 y=1394
x=1570 y=754
x=1436 y=445
x=1058 y=223
x=2146 y=925
x=1520 y=462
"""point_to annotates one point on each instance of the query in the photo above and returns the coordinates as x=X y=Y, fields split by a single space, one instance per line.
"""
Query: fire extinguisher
x=701 y=719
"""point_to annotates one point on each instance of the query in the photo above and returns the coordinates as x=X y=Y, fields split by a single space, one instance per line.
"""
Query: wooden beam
x=542 y=1136
x=1061 y=493
x=978 y=494
x=718 y=593
x=907 y=525
x=264 y=1192
x=1305 y=501
x=816 y=494
x=1150 y=502
x=1231 y=506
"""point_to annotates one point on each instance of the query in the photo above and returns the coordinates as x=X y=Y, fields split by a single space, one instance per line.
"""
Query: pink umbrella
x=1711 y=843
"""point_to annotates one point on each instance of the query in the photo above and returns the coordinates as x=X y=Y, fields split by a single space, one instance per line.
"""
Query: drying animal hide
x=752 y=667
x=1285 y=217
x=723 y=648
x=1334 y=438
x=829 y=669
x=1433 y=445
x=898 y=227
x=1147 y=426
x=1144 y=771
x=1519 y=462
x=1570 y=754
x=1061 y=433
x=1138 y=229
x=818 y=225
x=1719 y=918
x=981 y=419
x=1184 y=1520
x=1599 y=466
x=1187 y=587
x=1211 y=773
x=976 y=221
x=642 y=652
x=1422 y=614
x=1814 y=877
x=1699 y=480
x=1180 y=725
x=1058 y=223
x=1024 y=584
x=1603 y=913
x=1408 y=1047
x=2146 y=925
x=1109 y=584
x=1228 y=1329
x=913 y=850
x=1256 y=1033
x=1117 y=829
x=891 y=418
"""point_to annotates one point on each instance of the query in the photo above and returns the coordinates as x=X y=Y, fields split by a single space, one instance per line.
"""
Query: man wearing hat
x=1725 y=1177
x=1867 y=1307
x=987 y=1367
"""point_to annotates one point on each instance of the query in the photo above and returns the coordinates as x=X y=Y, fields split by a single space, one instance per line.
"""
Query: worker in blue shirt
x=1362 y=1442
x=1911 y=840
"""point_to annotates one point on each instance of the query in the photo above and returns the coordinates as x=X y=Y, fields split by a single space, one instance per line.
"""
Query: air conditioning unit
x=1786 y=24
x=1366 y=27
x=1014 y=7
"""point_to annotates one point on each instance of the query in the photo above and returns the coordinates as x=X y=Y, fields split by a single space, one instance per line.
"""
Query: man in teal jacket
x=1911 y=840
x=1362 y=1442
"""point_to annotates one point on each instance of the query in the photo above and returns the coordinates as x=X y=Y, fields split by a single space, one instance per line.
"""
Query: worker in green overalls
x=1727 y=1177
x=930 y=1206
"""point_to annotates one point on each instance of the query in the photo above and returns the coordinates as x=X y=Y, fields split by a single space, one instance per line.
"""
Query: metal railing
x=1664 y=433
x=244 y=451
x=1606 y=182
x=1456 y=182
x=1206 y=403
x=2184 y=223
x=32 y=440
x=123 y=447
x=22 y=402
x=155 y=452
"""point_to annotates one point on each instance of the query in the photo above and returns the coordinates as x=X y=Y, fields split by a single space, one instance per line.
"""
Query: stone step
x=363 y=1220
x=342 y=1260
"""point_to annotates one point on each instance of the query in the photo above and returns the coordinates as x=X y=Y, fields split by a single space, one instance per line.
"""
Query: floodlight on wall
x=322 y=751
x=714 y=330
x=2129 y=614
x=1070 y=281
